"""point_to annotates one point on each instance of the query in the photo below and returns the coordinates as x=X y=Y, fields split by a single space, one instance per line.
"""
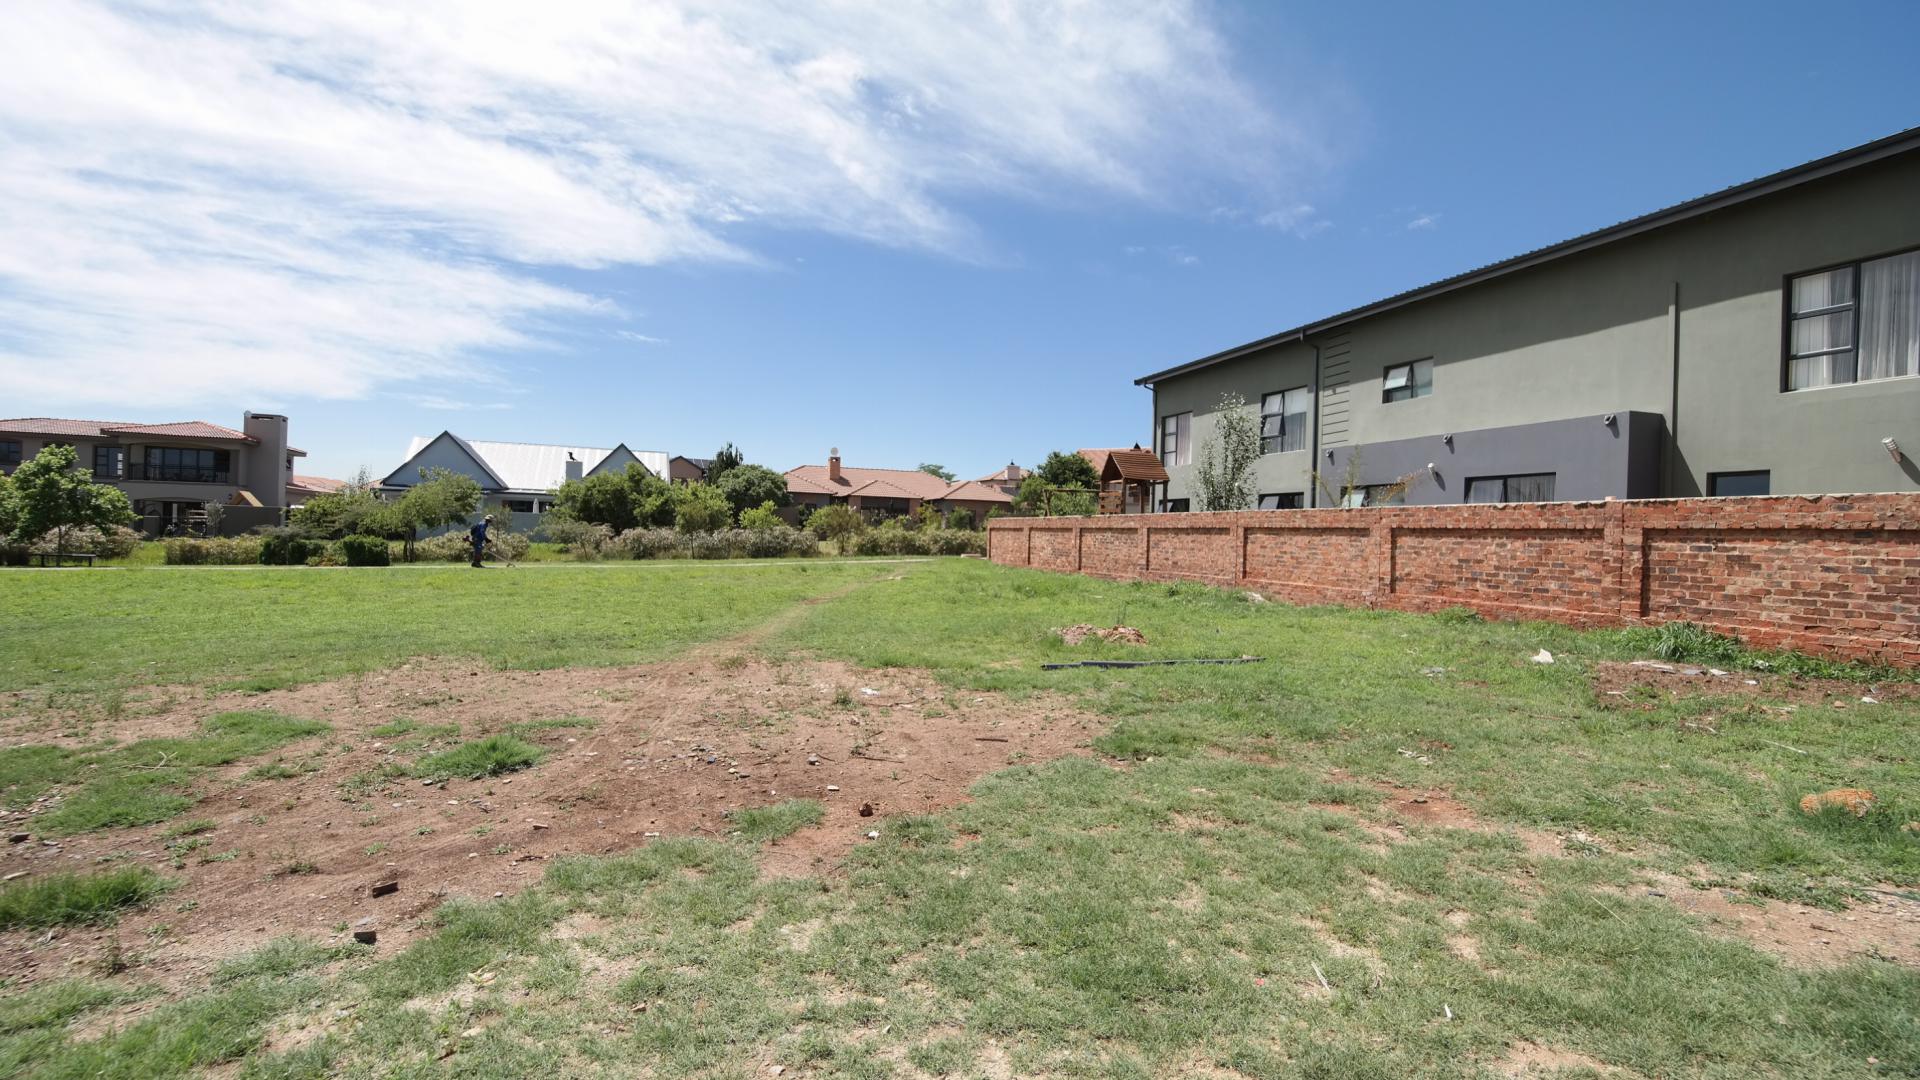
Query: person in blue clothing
x=478 y=534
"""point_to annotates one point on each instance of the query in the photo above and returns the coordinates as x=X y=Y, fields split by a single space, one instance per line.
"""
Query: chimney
x=266 y=470
x=574 y=466
x=833 y=464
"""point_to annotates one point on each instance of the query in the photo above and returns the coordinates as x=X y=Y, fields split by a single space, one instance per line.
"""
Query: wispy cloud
x=279 y=200
x=644 y=339
x=1300 y=219
x=439 y=403
x=1176 y=254
x=1424 y=221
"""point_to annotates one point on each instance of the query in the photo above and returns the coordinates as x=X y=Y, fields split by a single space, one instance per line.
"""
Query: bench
x=42 y=557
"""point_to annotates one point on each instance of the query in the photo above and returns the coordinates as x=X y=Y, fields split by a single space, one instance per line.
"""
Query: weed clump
x=77 y=899
x=479 y=759
x=1691 y=643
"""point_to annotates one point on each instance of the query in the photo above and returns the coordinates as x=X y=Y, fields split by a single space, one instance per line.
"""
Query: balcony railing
x=189 y=474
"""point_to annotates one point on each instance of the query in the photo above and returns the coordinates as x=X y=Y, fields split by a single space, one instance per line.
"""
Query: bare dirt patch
x=1887 y=927
x=1527 y=1059
x=1643 y=683
x=662 y=750
x=1079 y=632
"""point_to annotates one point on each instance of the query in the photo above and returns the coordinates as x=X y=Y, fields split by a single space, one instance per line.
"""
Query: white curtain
x=1890 y=317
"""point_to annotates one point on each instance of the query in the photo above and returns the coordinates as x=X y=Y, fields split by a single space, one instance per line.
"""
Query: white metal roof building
x=516 y=470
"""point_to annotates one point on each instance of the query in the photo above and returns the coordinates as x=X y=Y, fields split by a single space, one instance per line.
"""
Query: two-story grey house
x=172 y=471
x=1761 y=340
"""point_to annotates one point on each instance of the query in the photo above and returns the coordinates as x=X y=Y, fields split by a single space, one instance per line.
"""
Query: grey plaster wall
x=1281 y=368
x=1590 y=459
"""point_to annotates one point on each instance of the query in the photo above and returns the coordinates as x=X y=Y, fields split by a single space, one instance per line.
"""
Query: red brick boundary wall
x=1833 y=573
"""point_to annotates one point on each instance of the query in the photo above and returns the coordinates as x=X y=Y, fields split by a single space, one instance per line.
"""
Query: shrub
x=781 y=541
x=710 y=545
x=891 y=538
x=213 y=551
x=67 y=899
x=836 y=522
x=454 y=546
x=764 y=516
x=365 y=551
x=112 y=542
x=648 y=543
x=954 y=541
x=288 y=547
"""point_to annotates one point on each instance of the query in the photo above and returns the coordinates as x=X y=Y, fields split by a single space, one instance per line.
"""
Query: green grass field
x=1206 y=892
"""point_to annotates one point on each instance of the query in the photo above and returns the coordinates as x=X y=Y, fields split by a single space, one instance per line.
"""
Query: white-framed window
x=1283 y=500
x=1409 y=380
x=1176 y=438
x=1531 y=487
x=1283 y=421
x=1854 y=323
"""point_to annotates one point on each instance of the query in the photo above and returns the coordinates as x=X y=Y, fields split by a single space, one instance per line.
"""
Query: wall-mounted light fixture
x=1610 y=420
x=1446 y=441
x=1893 y=448
x=1432 y=468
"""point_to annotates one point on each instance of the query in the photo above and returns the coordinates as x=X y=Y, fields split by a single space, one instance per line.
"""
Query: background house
x=1761 y=340
x=516 y=478
x=688 y=470
x=172 y=471
x=301 y=488
x=883 y=493
x=1006 y=480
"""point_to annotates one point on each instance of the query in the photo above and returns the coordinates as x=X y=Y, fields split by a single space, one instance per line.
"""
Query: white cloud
x=1424 y=221
x=1300 y=219
x=264 y=201
x=644 y=339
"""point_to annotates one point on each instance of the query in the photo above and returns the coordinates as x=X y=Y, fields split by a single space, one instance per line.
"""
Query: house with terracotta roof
x=1007 y=479
x=515 y=477
x=301 y=488
x=884 y=493
x=171 y=471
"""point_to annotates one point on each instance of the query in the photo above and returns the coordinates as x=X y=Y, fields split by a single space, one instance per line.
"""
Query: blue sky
x=917 y=236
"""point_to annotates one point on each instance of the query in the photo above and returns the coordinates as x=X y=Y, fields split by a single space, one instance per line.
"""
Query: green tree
x=1063 y=485
x=700 y=508
x=442 y=497
x=940 y=471
x=652 y=498
x=50 y=495
x=601 y=499
x=725 y=459
x=1223 y=475
x=9 y=514
x=747 y=486
x=342 y=513
x=836 y=521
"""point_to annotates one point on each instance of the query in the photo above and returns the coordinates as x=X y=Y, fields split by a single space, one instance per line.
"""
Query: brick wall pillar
x=1237 y=538
x=1078 y=557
